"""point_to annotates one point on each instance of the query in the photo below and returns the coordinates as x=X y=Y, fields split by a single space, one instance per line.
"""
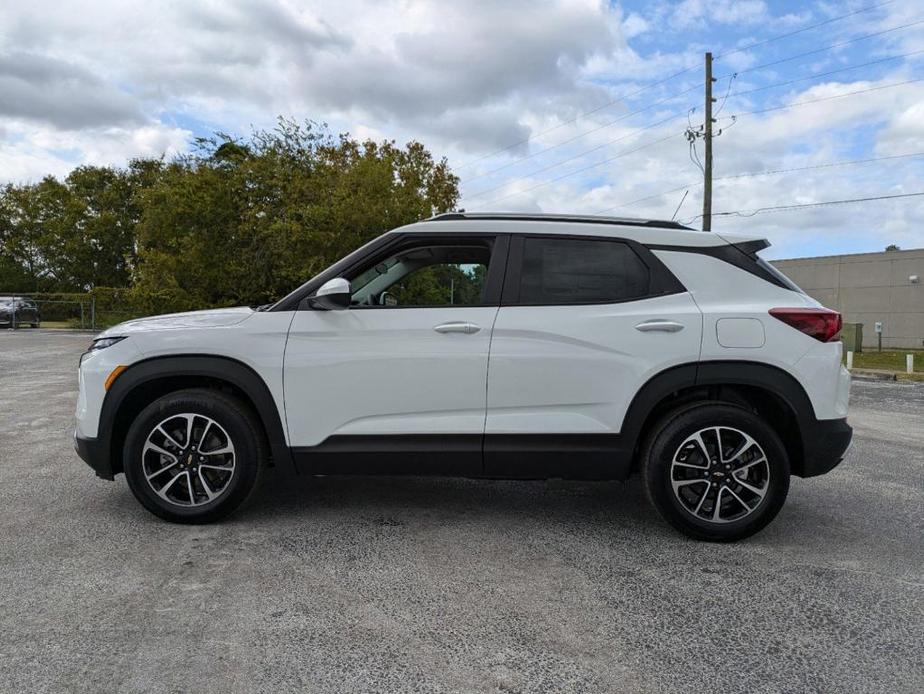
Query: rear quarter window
x=780 y=277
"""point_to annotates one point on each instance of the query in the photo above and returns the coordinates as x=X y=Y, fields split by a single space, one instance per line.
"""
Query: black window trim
x=661 y=281
x=742 y=255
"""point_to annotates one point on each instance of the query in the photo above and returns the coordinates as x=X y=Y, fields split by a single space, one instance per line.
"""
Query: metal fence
x=73 y=312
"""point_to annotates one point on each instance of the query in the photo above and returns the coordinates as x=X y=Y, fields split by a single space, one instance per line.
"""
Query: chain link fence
x=95 y=310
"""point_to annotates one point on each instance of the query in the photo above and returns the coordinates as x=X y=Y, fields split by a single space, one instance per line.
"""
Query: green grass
x=890 y=360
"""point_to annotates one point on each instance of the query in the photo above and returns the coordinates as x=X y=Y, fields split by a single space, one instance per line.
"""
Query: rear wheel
x=193 y=456
x=716 y=472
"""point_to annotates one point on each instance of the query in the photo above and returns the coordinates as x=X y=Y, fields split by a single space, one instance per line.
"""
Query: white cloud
x=61 y=93
x=905 y=131
x=461 y=75
x=633 y=25
x=696 y=12
x=102 y=82
x=31 y=151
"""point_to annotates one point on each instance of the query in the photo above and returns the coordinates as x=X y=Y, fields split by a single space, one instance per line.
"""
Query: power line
x=848 y=162
x=804 y=29
x=825 y=74
x=685 y=91
x=759 y=111
x=652 y=125
x=727 y=93
x=576 y=156
x=651 y=85
x=581 y=135
x=825 y=48
x=751 y=174
x=781 y=208
x=621 y=154
x=829 y=98
x=533 y=136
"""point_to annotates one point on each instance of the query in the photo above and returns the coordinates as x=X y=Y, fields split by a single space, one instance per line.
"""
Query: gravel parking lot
x=368 y=584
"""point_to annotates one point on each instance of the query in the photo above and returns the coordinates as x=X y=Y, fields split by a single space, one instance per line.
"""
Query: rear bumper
x=824 y=442
x=95 y=454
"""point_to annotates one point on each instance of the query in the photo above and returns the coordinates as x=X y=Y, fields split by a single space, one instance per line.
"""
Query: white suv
x=489 y=345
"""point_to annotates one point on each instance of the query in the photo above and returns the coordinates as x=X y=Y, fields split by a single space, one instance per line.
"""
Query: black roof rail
x=583 y=219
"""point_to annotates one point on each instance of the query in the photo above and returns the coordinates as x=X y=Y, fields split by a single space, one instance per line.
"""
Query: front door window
x=425 y=277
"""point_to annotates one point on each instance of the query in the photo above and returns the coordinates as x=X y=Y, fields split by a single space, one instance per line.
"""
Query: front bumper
x=95 y=454
x=824 y=443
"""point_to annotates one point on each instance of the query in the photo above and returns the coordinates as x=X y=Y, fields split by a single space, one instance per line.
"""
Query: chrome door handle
x=663 y=326
x=457 y=327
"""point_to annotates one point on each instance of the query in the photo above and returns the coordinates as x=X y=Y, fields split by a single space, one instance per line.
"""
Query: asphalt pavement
x=341 y=584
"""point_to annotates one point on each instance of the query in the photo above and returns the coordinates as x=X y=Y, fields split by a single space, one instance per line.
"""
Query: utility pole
x=707 y=139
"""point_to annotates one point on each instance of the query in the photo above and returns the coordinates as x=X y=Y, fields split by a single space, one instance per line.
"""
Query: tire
x=232 y=453
x=749 y=492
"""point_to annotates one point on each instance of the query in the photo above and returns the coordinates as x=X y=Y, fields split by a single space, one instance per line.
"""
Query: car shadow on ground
x=620 y=509
x=282 y=491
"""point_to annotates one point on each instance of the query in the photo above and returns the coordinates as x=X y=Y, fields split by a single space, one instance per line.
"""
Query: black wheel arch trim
x=814 y=454
x=219 y=368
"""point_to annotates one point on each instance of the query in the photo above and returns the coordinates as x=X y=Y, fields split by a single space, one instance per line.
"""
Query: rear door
x=584 y=323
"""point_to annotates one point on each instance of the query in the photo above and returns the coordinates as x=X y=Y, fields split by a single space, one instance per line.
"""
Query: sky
x=568 y=106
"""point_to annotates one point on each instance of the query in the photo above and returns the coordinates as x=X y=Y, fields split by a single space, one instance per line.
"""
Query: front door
x=398 y=382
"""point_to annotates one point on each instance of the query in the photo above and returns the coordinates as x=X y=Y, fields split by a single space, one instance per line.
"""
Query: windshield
x=366 y=277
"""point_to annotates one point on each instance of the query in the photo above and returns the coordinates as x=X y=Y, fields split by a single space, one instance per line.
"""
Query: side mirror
x=333 y=295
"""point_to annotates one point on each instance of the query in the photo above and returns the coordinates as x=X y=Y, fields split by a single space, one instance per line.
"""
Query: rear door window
x=580 y=271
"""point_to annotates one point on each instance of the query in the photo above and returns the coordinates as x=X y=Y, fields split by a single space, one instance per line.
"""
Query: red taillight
x=821 y=323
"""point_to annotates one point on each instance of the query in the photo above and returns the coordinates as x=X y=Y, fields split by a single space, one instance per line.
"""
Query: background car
x=17 y=311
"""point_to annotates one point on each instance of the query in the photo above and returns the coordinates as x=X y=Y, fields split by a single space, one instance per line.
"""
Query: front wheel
x=193 y=456
x=716 y=472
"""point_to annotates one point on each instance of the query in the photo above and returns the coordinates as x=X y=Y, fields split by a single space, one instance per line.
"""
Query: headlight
x=104 y=342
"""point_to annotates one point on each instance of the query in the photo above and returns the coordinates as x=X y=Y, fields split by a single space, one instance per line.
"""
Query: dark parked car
x=16 y=311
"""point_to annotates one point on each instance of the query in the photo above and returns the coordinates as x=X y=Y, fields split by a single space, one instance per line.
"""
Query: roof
x=583 y=219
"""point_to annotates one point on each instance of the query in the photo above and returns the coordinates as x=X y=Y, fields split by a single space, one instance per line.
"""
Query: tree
x=72 y=235
x=892 y=247
x=24 y=212
x=246 y=222
x=91 y=241
x=441 y=285
x=234 y=222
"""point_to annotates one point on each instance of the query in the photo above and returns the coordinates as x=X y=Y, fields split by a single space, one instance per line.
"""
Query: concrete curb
x=79 y=331
x=39 y=331
x=873 y=375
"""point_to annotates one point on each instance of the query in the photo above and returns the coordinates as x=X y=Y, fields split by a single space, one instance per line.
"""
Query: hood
x=212 y=318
